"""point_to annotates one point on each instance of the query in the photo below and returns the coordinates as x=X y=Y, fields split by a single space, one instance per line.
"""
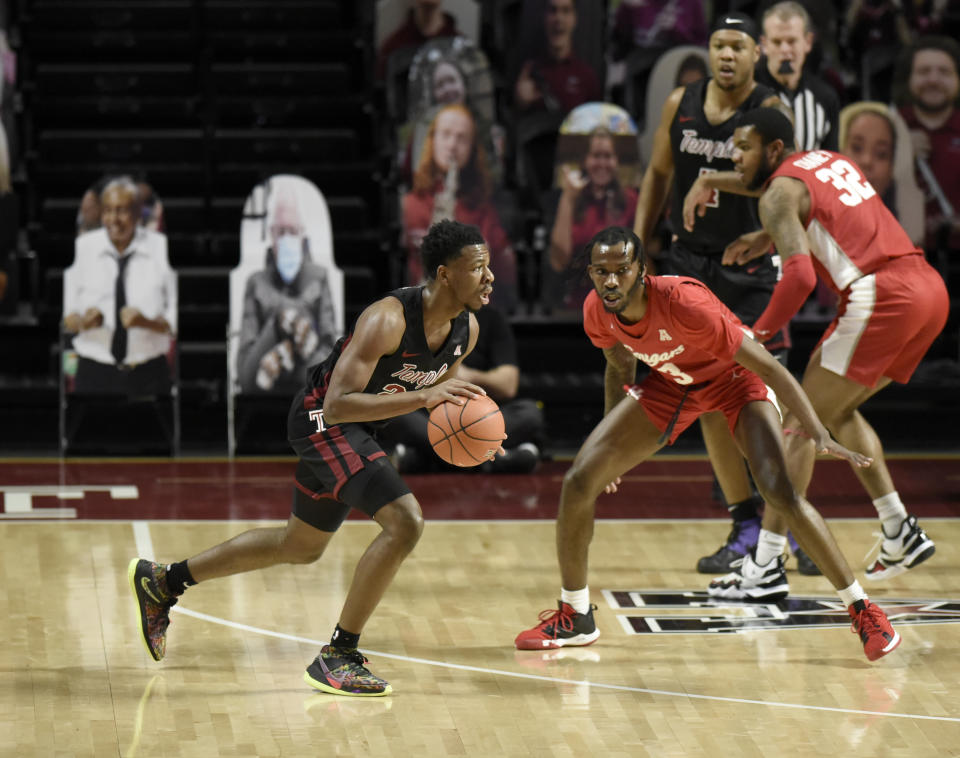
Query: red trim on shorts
x=322 y=444
x=374 y=457
x=311 y=494
x=353 y=459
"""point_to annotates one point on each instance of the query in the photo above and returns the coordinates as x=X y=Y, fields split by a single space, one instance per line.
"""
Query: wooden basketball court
x=669 y=676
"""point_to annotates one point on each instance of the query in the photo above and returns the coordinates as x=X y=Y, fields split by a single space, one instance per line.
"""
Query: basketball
x=466 y=435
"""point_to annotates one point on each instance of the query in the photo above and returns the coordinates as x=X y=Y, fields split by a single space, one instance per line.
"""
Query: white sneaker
x=753 y=583
x=907 y=548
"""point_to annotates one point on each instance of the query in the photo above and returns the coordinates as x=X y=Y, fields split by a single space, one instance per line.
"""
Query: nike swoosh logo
x=753 y=269
x=729 y=20
x=410 y=355
x=683 y=119
x=145 y=586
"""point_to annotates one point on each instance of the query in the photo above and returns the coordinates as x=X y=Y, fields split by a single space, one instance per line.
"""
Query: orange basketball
x=466 y=435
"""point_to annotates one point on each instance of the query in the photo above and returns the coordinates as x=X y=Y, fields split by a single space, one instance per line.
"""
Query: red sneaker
x=559 y=628
x=876 y=633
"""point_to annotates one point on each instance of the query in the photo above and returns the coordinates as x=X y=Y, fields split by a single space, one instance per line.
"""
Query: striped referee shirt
x=815 y=106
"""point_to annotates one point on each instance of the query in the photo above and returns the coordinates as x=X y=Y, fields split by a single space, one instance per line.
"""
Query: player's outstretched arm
x=755 y=357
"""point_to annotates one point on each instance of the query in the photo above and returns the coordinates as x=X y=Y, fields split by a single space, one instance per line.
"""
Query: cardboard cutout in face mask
x=289 y=252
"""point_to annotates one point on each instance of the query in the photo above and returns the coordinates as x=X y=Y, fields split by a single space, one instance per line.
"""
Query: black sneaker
x=558 y=628
x=341 y=672
x=741 y=539
x=805 y=564
x=149 y=586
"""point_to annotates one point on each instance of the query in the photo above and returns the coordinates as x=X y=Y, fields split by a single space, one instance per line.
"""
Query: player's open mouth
x=485 y=295
x=612 y=298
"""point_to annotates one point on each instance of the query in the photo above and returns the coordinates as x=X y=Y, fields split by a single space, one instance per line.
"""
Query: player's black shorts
x=745 y=290
x=341 y=467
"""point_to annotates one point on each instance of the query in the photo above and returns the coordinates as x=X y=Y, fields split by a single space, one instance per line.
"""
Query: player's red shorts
x=886 y=322
x=728 y=393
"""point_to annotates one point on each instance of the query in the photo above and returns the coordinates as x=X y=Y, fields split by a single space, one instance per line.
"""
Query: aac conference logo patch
x=695 y=612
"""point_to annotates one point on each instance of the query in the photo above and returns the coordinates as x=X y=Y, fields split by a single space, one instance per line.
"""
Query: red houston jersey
x=687 y=334
x=850 y=229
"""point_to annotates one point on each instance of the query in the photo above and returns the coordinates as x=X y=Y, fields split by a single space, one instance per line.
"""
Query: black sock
x=746 y=509
x=344 y=640
x=179 y=578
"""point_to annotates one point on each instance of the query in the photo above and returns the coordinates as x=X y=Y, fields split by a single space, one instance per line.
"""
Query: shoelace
x=866 y=618
x=550 y=616
x=357 y=658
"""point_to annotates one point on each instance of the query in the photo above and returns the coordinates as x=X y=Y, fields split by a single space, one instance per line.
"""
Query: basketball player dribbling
x=403 y=354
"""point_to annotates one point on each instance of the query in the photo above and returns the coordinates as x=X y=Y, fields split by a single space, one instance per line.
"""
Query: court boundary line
x=144 y=543
x=556 y=680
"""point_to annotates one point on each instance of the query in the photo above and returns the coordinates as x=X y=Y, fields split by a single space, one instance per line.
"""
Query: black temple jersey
x=698 y=147
x=412 y=367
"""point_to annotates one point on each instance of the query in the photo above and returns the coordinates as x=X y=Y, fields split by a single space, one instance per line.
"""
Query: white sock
x=579 y=600
x=852 y=594
x=769 y=546
x=891 y=512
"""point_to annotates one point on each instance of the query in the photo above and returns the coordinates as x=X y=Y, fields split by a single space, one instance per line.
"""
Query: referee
x=786 y=41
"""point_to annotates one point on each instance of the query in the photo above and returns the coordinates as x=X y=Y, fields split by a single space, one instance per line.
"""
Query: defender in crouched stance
x=703 y=361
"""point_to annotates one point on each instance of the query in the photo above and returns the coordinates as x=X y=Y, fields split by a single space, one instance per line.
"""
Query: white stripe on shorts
x=839 y=347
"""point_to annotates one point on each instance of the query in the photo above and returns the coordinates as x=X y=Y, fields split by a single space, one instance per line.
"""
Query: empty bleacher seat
x=106 y=15
x=252 y=79
x=121 y=146
x=139 y=79
x=238 y=145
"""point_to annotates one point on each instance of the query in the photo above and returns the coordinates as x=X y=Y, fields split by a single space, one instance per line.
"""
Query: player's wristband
x=791 y=292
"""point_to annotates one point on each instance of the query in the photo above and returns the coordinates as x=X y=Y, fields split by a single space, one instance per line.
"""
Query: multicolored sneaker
x=149 y=586
x=907 y=548
x=558 y=628
x=341 y=672
x=876 y=633
x=742 y=538
x=753 y=583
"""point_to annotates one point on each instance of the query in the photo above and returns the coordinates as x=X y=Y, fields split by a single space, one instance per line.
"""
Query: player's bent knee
x=302 y=553
x=580 y=482
x=402 y=521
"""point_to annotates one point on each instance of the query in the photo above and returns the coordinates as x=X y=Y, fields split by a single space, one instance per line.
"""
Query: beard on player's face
x=764 y=171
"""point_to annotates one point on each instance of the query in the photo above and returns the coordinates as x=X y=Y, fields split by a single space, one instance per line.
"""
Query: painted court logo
x=695 y=612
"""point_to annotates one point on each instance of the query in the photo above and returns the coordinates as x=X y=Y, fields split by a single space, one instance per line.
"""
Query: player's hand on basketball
x=695 y=202
x=745 y=248
x=829 y=446
x=612 y=487
x=453 y=390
